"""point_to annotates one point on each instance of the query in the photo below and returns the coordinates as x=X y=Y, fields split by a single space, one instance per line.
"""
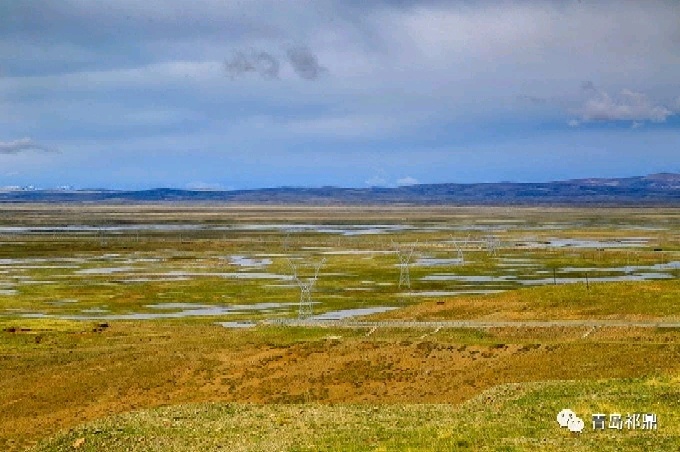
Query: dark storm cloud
x=262 y=63
x=305 y=63
x=588 y=85
x=268 y=66
x=23 y=145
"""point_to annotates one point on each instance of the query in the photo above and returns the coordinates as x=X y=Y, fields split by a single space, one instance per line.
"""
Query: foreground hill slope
x=508 y=417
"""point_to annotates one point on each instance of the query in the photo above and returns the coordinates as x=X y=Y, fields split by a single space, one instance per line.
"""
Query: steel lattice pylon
x=305 y=309
x=460 y=249
x=492 y=243
x=404 y=262
x=306 y=286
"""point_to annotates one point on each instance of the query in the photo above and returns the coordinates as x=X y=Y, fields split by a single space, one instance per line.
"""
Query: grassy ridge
x=514 y=417
x=63 y=374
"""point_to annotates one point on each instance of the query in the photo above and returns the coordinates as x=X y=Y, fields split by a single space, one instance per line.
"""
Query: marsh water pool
x=157 y=270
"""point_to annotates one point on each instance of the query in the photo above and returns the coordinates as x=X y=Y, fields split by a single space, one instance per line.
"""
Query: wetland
x=111 y=309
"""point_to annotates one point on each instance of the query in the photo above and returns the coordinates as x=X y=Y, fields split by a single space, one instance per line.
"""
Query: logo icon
x=567 y=418
x=575 y=425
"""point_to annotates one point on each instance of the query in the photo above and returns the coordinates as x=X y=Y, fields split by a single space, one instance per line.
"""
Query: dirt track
x=424 y=324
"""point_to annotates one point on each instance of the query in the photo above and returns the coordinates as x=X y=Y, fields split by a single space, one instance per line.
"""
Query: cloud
x=22 y=145
x=408 y=180
x=411 y=74
x=533 y=99
x=628 y=106
x=305 y=63
x=377 y=181
x=262 y=63
x=588 y=85
x=204 y=186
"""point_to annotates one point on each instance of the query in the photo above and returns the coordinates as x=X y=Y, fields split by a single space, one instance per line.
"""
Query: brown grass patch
x=72 y=378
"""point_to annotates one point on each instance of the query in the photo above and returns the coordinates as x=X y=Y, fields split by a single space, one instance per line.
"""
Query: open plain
x=177 y=327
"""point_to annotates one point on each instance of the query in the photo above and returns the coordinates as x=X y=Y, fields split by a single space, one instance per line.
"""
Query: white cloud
x=377 y=181
x=408 y=180
x=628 y=106
x=23 y=145
x=205 y=186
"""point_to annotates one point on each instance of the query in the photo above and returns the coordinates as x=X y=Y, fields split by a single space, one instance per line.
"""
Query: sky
x=222 y=94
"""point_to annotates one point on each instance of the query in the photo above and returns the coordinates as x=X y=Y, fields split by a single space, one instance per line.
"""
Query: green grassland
x=71 y=369
x=509 y=417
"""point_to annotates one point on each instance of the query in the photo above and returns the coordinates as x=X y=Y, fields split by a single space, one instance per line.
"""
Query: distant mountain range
x=655 y=189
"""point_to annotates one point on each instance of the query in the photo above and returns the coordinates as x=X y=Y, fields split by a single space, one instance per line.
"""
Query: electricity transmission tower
x=306 y=286
x=286 y=243
x=404 y=262
x=102 y=237
x=460 y=249
x=492 y=243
